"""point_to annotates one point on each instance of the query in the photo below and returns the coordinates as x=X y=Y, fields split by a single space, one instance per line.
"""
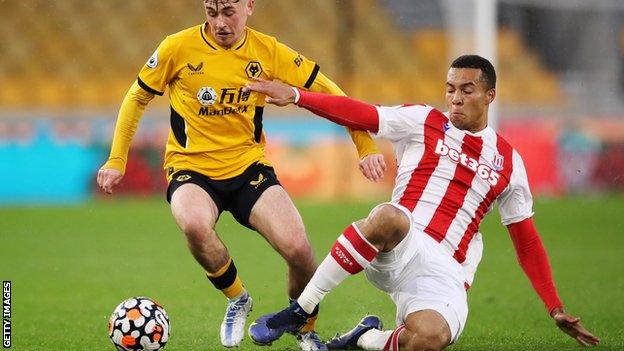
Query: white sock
x=387 y=340
x=321 y=283
x=350 y=254
x=374 y=339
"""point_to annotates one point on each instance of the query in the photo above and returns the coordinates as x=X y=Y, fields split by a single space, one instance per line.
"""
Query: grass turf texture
x=70 y=266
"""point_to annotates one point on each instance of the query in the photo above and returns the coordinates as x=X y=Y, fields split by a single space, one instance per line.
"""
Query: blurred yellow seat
x=86 y=53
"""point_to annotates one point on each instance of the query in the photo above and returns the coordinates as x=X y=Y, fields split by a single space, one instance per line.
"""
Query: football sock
x=310 y=325
x=392 y=344
x=227 y=280
x=311 y=322
x=375 y=339
x=350 y=254
x=314 y=312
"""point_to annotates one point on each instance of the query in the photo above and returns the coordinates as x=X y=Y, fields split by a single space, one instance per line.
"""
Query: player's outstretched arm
x=111 y=173
x=342 y=110
x=533 y=258
x=372 y=163
x=338 y=109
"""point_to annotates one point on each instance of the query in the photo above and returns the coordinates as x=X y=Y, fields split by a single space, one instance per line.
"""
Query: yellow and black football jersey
x=216 y=128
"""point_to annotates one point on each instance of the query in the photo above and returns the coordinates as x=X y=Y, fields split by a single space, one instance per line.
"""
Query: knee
x=384 y=224
x=194 y=212
x=196 y=234
x=298 y=251
x=428 y=341
x=196 y=231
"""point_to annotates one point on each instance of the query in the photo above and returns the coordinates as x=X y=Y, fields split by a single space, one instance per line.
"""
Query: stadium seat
x=74 y=56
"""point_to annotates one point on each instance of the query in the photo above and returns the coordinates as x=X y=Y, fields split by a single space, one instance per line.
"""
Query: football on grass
x=139 y=323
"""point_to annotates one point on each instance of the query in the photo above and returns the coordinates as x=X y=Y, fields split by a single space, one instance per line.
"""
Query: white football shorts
x=419 y=275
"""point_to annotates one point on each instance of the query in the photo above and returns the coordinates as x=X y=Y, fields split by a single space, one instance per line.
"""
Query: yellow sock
x=234 y=290
x=227 y=280
x=310 y=324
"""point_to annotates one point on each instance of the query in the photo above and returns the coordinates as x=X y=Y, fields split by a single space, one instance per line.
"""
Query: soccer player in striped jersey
x=215 y=160
x=423 y=247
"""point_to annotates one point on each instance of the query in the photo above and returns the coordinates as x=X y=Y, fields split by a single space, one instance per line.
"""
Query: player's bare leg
x=196 y=214
x=425 y=330
x=384 y=227
x=275 y=217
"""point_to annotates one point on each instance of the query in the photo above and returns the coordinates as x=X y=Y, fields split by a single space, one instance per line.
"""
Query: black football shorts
x=237 y=195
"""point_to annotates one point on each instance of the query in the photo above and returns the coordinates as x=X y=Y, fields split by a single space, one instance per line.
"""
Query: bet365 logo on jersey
x=482 y=170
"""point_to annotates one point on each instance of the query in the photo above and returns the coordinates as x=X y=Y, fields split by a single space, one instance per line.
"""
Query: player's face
x=468 y=98
x=227 y=19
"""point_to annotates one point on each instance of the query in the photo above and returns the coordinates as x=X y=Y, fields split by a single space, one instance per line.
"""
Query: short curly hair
x=488 y=74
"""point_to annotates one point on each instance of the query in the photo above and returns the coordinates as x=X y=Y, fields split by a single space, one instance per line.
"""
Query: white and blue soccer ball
x=139 y=323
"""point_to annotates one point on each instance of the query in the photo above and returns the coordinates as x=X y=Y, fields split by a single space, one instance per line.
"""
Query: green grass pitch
x=70 y=266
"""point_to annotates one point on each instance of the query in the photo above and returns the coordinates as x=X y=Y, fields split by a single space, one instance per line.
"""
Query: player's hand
x=108 y=178
x=277 y=93
x=572 y=326
x=373 y=167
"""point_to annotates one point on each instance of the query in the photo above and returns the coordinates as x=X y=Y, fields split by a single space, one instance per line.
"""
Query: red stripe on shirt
x=456 y=191
x=434 y=130
x=345 y=259
x=363 y=247
x=506 y=151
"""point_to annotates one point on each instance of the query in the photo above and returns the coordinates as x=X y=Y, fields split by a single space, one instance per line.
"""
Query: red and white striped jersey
x=449 y=178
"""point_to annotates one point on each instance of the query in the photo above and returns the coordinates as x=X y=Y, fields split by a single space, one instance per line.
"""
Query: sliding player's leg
x=426 y=285
x=352 y=252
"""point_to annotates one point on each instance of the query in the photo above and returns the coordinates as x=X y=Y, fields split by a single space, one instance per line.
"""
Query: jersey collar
x=214 y=46
x=485 y=132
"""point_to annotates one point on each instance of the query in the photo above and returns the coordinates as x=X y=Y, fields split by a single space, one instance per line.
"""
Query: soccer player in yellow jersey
x=214 y=158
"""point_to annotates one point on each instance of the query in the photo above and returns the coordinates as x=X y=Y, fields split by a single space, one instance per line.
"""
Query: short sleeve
x=515 y=204
x=293 y=68
x=403 y=121
x=158 y=71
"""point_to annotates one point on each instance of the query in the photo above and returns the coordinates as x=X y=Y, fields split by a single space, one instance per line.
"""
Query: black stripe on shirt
x=258 y=123
x=147 y=88
x=313 y=75
x=178 y=126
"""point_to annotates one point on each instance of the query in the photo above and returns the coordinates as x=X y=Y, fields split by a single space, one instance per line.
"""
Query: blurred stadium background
x=65 y=66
